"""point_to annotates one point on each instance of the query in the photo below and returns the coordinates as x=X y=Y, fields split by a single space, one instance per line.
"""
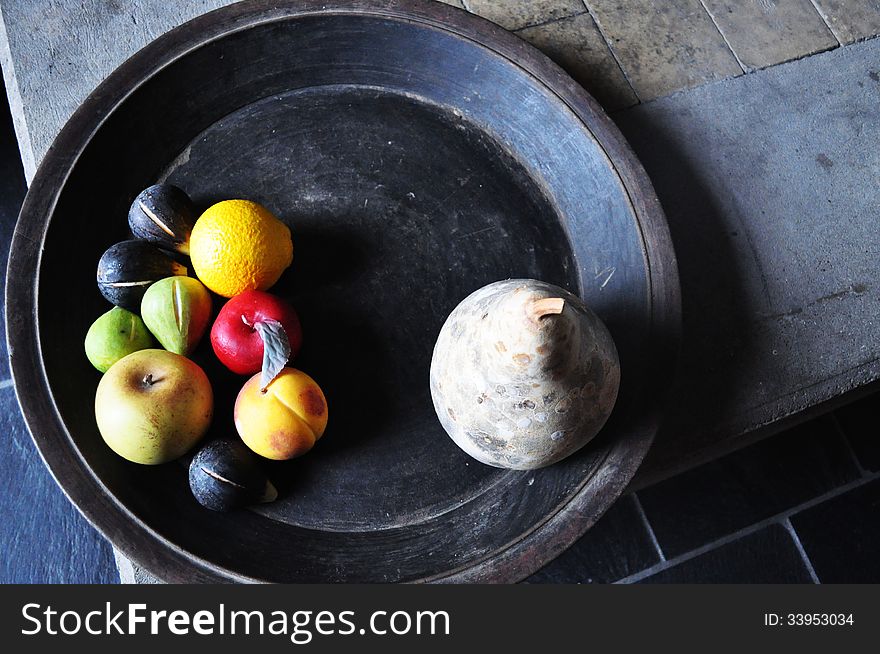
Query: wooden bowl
x=417 y=153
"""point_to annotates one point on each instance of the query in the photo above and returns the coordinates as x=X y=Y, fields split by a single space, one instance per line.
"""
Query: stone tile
x=664 y=45
x=860 y=422
x=771 y=31
x=61 y=51
x=43 y=539
x=576 y=44
x=617 y=546
x=769 y=184
x=724 y=496
x=842 y=536
x=768 y=556
x=454 y=3
x=515 y=14
x=12 y=190
x=851 y=20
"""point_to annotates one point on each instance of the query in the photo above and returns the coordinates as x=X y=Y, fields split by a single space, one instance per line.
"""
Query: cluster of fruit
x=154 y=405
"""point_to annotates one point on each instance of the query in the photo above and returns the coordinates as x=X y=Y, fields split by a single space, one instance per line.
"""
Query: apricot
x=284 y=420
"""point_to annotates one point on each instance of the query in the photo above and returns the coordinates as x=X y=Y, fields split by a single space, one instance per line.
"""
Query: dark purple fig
x=163 y=214
x=127 y=269
x=224 y=475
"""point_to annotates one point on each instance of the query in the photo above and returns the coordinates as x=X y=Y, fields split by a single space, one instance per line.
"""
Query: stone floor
x=623 y=51
x=631 y=51
x=799 y=507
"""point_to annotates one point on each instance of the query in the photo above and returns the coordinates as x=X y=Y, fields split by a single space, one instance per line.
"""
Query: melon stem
x=548 y=306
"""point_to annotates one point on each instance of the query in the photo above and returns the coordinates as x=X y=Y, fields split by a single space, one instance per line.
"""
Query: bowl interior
x=413 y=167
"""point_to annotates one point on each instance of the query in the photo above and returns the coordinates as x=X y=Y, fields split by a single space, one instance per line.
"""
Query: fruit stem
x=548 y=306
x=245 y=321
x=270 y=494
x=148 y=380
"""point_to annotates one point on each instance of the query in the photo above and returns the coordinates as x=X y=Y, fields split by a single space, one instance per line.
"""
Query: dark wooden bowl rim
x=136 y=539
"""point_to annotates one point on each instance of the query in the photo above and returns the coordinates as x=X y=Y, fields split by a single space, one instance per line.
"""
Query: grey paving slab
x=851 y=20
x=664 y=45
x=49 y=70
x=576 y=44
x=515 y=14
x=770 y=31
x=769 y=182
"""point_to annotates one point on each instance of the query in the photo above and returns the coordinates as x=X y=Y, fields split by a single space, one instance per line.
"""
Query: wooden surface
x=553 y=193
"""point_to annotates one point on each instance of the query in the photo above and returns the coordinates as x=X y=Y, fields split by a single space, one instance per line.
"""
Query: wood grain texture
x=664 y=45
x=576 y=44
x=770 y=31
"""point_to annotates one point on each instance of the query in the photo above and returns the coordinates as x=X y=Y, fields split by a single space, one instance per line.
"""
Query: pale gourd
x=523 y=374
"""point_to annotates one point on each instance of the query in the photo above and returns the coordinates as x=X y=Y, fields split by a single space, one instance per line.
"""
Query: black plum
x=224 y=475
x=128 y=268
x=163 y=214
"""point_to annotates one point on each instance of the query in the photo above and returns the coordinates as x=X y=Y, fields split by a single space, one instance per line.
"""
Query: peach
x=285 y=420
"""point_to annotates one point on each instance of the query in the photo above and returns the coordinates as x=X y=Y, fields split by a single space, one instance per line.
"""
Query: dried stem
x=548 y=306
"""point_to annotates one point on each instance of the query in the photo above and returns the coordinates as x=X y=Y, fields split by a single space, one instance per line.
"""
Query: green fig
x=115 y=334
x=177 y=311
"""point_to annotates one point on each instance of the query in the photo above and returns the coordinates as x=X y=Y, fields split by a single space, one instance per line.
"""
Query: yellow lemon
x=239 y=245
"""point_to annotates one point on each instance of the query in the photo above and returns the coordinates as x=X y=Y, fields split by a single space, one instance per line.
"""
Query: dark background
x=802 y=506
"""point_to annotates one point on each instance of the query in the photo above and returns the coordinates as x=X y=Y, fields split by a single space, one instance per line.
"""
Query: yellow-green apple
x=236 y=337
x=284 y=420
x=153 y=405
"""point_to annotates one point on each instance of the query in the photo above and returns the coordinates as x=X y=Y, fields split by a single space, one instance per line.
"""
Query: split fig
x=126 y=270
x=177 y=311
x=163 y=214
x=224 y=475
x=523 y=374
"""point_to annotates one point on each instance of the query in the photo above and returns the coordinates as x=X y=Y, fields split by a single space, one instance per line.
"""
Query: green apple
x=152 y=406
x=177 y=310
x=115 y=334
